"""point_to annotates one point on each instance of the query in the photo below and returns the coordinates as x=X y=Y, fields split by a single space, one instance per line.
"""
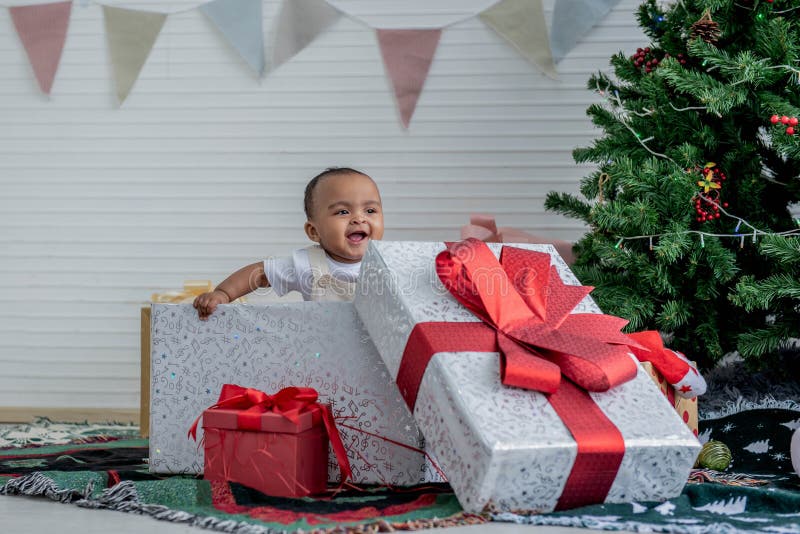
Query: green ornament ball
x=714 y=455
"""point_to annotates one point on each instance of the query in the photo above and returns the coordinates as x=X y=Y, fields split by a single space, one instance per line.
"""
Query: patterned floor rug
x=106 y=469
x=43 y=431
x=112 y=473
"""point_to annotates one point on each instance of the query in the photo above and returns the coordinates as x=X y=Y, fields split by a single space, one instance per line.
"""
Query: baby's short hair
x=308 y=200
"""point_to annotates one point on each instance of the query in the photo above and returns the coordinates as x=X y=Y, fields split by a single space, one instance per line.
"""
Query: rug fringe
x=123 y=497
x=36 y=484
x=741 y=405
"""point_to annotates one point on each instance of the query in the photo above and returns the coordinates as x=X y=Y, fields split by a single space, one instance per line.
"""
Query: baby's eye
x=372 y=210
x=342 y=212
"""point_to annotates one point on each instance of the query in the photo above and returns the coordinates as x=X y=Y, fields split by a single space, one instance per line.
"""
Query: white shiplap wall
x=202 y=169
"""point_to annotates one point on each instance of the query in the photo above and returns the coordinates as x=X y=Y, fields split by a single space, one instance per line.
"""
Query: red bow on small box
x=288 y=402
x=674 y=366
x=525 y=312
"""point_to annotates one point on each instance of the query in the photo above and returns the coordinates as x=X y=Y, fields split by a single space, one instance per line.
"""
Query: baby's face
x=346 y=214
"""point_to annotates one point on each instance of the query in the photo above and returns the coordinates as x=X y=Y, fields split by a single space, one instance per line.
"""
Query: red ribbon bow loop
x=289 y=402
x=524 y=300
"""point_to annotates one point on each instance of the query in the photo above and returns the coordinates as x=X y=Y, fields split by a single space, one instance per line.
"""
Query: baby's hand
x=207 y=303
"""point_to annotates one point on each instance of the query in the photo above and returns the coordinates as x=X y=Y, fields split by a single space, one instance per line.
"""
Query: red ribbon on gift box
x=525 y=311
x=289 y=402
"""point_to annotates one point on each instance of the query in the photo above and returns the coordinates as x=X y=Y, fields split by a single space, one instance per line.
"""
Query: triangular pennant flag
x=240 y=21
x=131 y=35
x=42 y=28
x=572 y=19
x=521 y=23
x=299 y=23
x=407 y=56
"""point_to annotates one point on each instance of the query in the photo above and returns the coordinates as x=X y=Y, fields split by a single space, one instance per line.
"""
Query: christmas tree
x=698 y=164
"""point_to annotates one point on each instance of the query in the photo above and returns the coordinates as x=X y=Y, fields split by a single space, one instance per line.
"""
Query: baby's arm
x=242 y=282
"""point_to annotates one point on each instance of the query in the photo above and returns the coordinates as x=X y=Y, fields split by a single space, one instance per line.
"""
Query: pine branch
x=568 y=205
x=767 y=340
x=777 y=42
x=707 y=334
x=744 y=67
x=721 y=260
x=788 y=146
x=760 y=295
x=772 y=103
x=785 y=251
x=651 y=19
x=672 y=247
x=673 y=315
x=620 y=300
x=688 y=155
x=611 y=217
x=714 y=5
x=716 y=96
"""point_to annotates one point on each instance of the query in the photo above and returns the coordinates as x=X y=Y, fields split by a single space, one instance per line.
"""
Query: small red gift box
x=284 y=459
x=276 y=444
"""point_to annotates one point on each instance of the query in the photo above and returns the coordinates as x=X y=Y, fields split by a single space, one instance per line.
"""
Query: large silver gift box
x=504 y=448
x=310 y=344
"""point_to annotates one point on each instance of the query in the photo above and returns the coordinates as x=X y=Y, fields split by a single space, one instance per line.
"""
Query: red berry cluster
x=790 y=122
x=707 y=208
x=645 y=57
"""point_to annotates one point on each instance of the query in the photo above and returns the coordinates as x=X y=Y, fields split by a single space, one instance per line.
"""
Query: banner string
x=85 y=3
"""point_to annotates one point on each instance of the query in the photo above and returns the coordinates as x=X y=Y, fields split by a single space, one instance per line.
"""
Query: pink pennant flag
x=42 y=28
x=407 y=56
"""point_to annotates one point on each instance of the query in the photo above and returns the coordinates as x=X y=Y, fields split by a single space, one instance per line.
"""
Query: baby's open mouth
x=357 y=237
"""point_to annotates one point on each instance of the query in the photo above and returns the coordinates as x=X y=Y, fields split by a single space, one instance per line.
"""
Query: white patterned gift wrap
x=311 y=344
x=505 y=448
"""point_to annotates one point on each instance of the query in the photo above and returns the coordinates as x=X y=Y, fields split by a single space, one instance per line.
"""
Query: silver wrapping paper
x=311 y=344
x=505 y=448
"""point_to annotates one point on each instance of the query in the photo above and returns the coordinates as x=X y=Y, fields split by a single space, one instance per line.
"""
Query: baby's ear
x=311 y=231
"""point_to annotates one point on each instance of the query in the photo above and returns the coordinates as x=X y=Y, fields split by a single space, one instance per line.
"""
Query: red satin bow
x=523 y=298
x=527 y=307
x=289 y=402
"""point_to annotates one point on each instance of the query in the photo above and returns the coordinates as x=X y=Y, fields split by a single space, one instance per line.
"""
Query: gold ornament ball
x=714 y=455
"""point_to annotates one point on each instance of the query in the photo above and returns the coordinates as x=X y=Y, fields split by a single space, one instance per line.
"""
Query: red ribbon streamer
x=289 y=402
x=525 y=311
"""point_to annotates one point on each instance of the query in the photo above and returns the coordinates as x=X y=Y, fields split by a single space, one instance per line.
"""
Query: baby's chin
x=350 y=254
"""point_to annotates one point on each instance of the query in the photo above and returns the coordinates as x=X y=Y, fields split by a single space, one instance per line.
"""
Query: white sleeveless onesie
x=324 y=286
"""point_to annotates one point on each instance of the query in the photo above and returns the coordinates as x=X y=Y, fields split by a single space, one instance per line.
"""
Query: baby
x=343 y=212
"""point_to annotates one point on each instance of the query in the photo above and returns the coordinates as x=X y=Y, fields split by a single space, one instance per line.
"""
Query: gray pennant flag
x=240 y=21
x=572 y=19
x=299 y=23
